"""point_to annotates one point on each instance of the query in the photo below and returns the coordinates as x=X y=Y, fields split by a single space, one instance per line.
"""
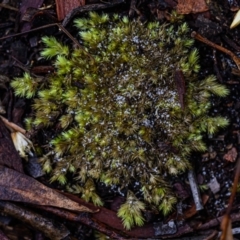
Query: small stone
x=163 y=229
x=214 y=185
x=34 y=168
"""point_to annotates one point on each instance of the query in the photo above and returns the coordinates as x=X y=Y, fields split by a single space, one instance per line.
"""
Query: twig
x=19 y=64
x=200 y=38
x=2 y=5
x=74 y=40
x=83 y=218
x=212 y=236
x=227 y=218
x=43 y=224
x=43 y=27
x=195 y=190
x=29 y=31
x=231 y=43
x=12 y=126
x=47 y=26
x=180 y=84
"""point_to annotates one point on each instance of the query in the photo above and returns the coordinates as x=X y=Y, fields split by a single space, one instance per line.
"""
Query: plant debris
x=218 y=162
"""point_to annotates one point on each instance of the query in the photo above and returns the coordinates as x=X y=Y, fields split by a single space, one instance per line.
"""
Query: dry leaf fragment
x=22 y=144
x=191 y=6
x=15 y=186
x=231 y=155
x=65 y=6
x=236 y=20
x=8 y=154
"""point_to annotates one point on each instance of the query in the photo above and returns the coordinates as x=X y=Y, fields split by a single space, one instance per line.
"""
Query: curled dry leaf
x=191 y=6
x=15 y=186
x=22 y=144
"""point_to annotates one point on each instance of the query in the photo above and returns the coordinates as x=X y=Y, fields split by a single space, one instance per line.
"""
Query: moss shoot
x=121 y=115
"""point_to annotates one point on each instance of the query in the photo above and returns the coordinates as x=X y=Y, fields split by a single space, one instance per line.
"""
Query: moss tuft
x=123 y=116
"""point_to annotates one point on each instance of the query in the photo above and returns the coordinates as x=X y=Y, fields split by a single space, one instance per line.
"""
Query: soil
x=215 y=169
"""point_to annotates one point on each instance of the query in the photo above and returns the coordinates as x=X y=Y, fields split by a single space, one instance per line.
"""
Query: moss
x=123 y=116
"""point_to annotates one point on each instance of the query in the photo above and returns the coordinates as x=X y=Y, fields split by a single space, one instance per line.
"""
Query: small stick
x=51 y=229
x=29 y=31
x=2 y=5
x=85 y=219
x=180 y=84
x=12 y=126
x=51 y=25
x=200 y=38
x=195 y=190
x=227 y=218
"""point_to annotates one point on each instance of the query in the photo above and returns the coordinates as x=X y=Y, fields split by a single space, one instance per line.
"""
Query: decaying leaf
x=27 y=4
x=8 y=154
x=15 y=186
x=231 y=155
x=191 y=6
x=65 y=6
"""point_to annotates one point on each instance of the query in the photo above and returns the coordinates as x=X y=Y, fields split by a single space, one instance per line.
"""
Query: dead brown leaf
x=8 y=154
x=191 y=6
x=15 y=186
x=231 y=155
x=65 y=6
x=27 y=4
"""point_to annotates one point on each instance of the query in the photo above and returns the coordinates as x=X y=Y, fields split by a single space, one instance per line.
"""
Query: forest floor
x=22 y=25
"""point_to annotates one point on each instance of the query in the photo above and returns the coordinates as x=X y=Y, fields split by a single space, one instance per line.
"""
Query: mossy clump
x=122 y=116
